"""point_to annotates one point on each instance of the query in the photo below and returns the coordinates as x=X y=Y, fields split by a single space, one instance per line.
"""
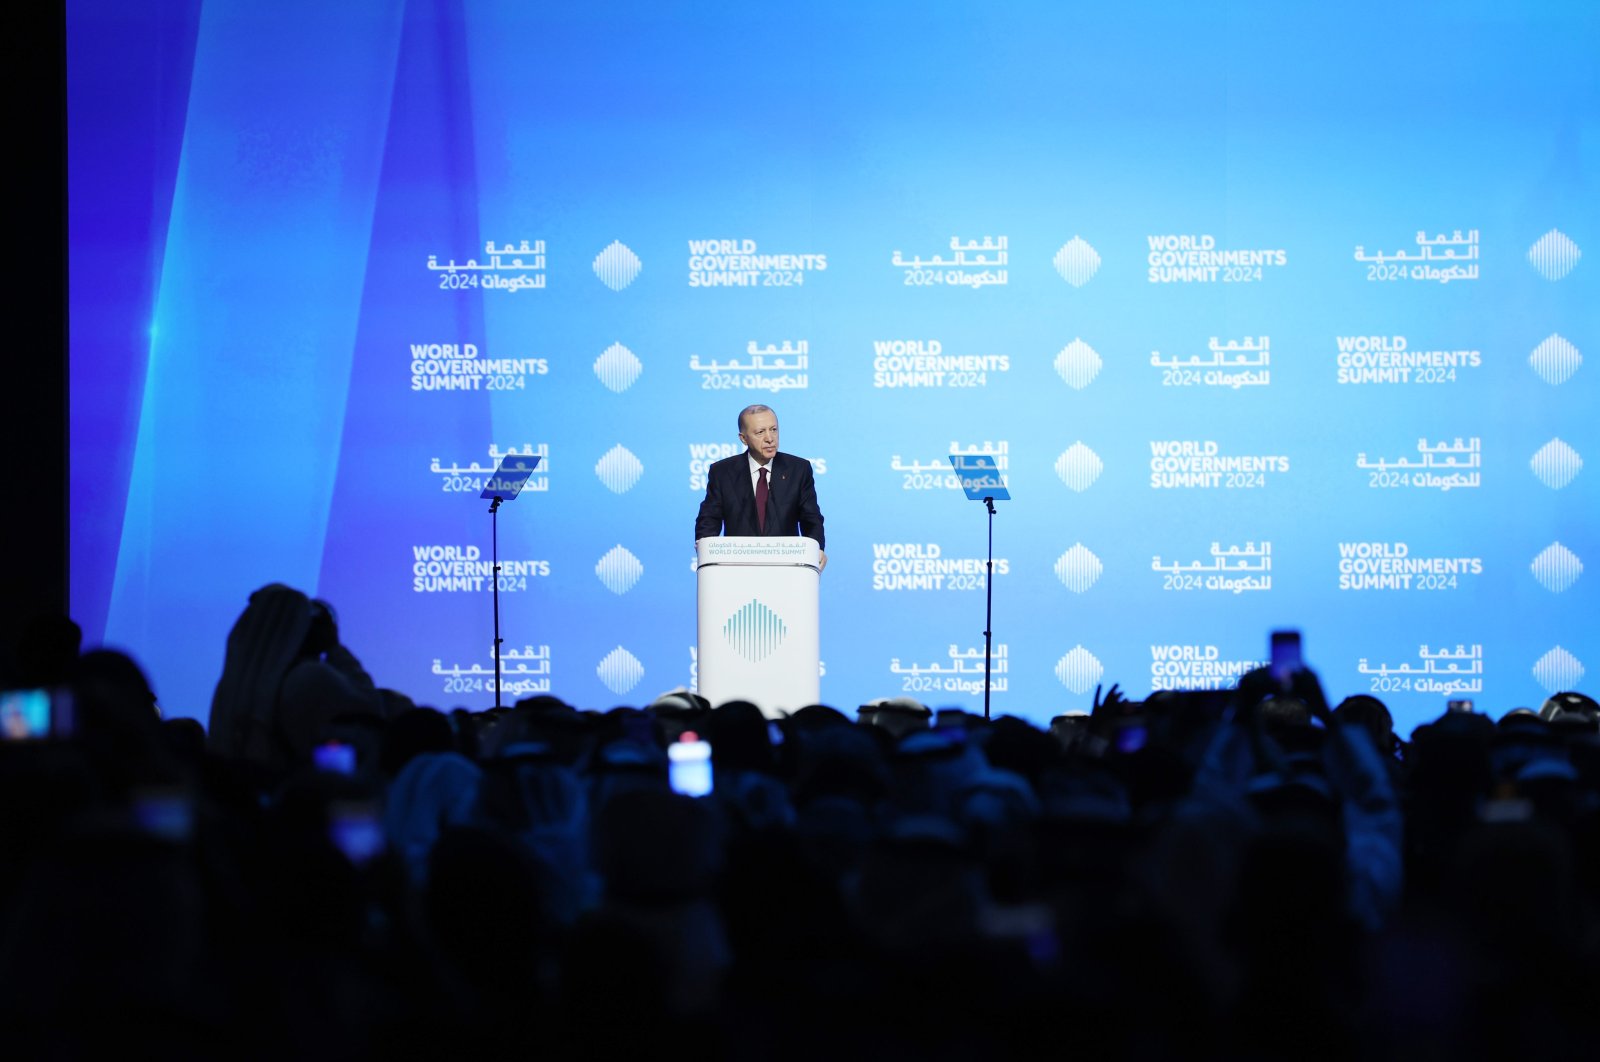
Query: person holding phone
x=285 y=677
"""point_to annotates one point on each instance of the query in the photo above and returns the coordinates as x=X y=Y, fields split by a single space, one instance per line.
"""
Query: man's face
x=760 y=435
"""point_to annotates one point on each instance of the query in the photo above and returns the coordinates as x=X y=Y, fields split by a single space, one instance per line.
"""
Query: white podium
x=758 y=621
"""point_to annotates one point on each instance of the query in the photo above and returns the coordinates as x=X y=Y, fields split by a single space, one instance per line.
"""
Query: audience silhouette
x=330 y=871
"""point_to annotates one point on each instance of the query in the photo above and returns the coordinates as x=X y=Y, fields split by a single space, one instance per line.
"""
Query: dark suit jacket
x=730 y=503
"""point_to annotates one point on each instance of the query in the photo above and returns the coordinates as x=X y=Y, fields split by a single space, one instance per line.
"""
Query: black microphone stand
x=494 y=574
x=504 y=485
x=988 y=608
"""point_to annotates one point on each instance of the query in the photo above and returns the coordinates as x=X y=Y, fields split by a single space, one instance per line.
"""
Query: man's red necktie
x=761 y=500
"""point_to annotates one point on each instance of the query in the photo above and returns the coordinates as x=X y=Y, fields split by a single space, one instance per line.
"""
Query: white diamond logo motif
x=1556 y=567
x=1555 y=360
x=619 y=470
x=617 y=266
x=1554 y=255
x=1079 y=670
x=1078 y=568
x=1078 y=466
x=617 y=367
x=1078 y=364
x=1077 y=262
x=619 y=570
x=620 y=670
x=1556 y=464
x=1558 y=670
x=754 y=631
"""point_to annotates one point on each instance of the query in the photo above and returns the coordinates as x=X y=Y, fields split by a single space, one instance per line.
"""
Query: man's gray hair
x=757 y=408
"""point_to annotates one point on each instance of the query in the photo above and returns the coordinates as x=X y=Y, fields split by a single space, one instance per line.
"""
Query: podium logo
x=754 y=631
x=1555 y=360
x=1554 y=255
x=1558 y=670
x=619 y=570
x=620 y=670
x=617 y=368
x=1556 y=568
x=1078 y=466
x=1077 y=262
x=1556 y=464
x=619 y=470
x=1078 y=364
x=1079 y=670
x=1078 y=568
x=617 y=266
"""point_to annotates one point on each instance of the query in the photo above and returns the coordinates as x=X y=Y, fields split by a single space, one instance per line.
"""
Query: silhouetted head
x=739 y=738
x=1372 y=715
x=111 y=694
x=266 y=640
x=1571 y=703
x=898 y=715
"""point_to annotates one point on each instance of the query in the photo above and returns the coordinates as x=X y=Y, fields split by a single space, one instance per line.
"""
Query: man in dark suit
x=760 y=492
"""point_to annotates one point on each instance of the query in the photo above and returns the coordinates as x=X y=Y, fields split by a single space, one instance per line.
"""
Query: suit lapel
x=745 y=491
x=777 y=491
x=772 y=492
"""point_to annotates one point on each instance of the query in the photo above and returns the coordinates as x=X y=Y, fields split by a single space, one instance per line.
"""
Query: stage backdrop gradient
x=1271 y=315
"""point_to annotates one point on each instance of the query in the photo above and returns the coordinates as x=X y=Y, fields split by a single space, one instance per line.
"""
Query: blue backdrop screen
x=1270 y=315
